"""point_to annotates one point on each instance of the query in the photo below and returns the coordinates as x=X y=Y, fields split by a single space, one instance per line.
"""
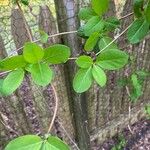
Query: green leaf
x=57 y=54
x=27 y=142
x=1 y=87
x=32 y=53
x=91 y=42
x=100 y=6
x=54 y=143
x=86 y=13
x=105 y=41
x=147 y=109
x=84 y=61
x=82 y=80
x=12 y=63
x=137 y=88
x=43 y=36
x=41 y=74
x=95 y=24
x=138 y=8
x=122 y=82
x=111 y=24
x=12 y=81
x=147 y=12
x=99 y=75
x=25 y=2
x=138 y=30
x=112 y=59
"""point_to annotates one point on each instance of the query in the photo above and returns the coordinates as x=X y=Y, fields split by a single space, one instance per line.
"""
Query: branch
x=55 y=111
x=114 y=40
x=123 y=17
x=50 y=36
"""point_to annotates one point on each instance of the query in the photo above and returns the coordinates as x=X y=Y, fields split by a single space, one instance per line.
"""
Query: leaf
x=41 y=74
x=91 y=42
x=27 y=142
x=138 y=30
x=105 y=41
x=112 y=59
x=147 y=12
x=82 y=80
x=56 y=54
x=12 y=63
x=43 y=36
x=86 y=13
x=100 y=6
x=12 y=81
x=135 y=83
x=123 y=82
x=95 y=24
x=99 y=75
x=138 y=7
x=1 y=85
x=32 y=53
x=25 y=2
x=54 y=143
x=84 y=61
x=111 y=23
x=137 y=88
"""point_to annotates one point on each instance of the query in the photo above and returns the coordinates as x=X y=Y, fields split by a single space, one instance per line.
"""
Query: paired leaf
x=86 y=13
x=12 y=63
x=33 y=142
x=84 y=61
x=91 y=42
x=100 y=6
x=82 y=80
x=111 y=24
x=99 y=75
x=27 y=142
x=41 y=74
x=138 y=30
x=106 y=41
x=95 y=24
x=32 y=52
x=138 y=8
x=112 y=59
x=12 y=81
x=56 y=144
x=56 y=54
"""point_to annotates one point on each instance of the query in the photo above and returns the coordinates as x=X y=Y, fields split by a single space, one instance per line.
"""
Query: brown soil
x=137 y=138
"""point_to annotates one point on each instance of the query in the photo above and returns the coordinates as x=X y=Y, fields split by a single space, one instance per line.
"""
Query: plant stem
x=123 y=17
x=114 y=40
x=55 y=110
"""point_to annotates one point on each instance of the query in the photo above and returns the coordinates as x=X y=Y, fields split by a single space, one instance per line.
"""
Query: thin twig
x=114 y=40
x=50 y=36
x=68 y=135
x=128 y=92
x=8 y=127
x=123 y=17
x=55 y=111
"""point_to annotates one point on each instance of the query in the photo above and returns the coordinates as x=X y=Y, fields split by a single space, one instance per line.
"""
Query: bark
x=68 y=9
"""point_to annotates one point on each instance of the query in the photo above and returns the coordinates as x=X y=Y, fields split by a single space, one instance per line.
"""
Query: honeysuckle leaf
x=32 y=52
x=112 y=59
x=84 y=61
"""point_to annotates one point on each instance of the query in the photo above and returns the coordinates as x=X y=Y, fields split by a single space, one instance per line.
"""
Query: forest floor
x=135 y=137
